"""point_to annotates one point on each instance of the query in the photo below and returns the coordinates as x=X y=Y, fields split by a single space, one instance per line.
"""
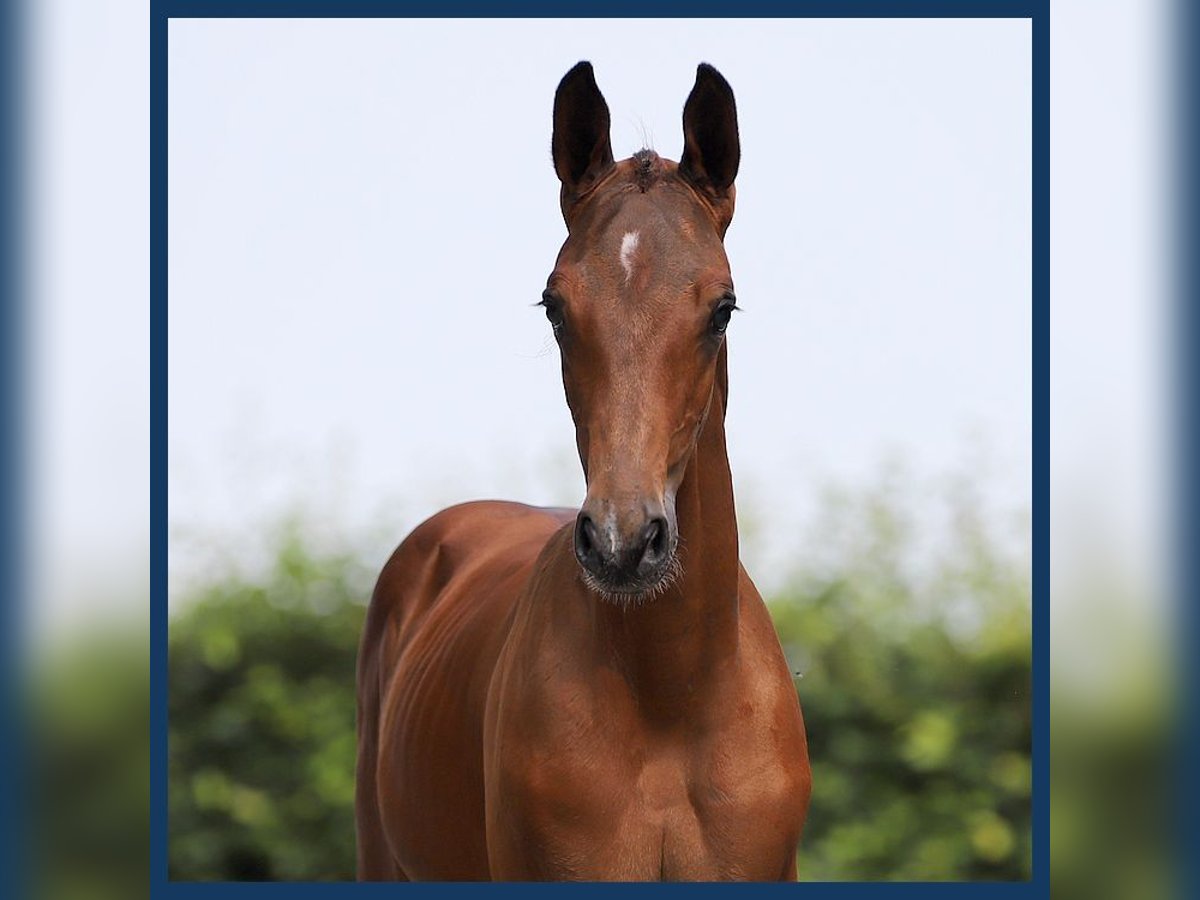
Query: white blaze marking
x=628 y=247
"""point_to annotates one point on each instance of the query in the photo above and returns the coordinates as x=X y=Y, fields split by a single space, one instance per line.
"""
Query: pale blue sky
x=362 y=212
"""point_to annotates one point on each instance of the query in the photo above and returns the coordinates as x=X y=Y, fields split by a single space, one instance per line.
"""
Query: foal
x=596 y=694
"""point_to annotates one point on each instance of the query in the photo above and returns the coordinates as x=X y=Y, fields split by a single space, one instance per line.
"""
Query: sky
x=362 y=213
x=351 y=283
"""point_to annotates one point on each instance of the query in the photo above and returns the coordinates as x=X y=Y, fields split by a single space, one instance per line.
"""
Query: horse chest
x=613 y=803
x=684 y=819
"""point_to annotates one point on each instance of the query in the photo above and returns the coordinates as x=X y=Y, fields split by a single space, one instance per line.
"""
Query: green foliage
x=916 y=698
x=1115 y=767
x=88 y=708
x=915 y=689
x=262 y=740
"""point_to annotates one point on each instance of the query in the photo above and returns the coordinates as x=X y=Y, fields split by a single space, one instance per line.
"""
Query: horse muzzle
x=630 y=556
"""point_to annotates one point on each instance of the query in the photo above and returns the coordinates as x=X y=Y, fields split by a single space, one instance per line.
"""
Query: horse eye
x=722 y=314
x=554 y=310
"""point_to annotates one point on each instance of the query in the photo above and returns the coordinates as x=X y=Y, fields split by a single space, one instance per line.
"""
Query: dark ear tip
x=706 y=73
x=582 y=70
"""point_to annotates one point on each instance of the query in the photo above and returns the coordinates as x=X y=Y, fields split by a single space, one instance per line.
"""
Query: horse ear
x=711 y=150
x=581 y=147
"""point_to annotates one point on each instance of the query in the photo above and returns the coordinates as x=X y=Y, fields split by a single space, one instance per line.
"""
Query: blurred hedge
x=914 y=679
x=916 y=698
x=261 y=712
x=88 y=833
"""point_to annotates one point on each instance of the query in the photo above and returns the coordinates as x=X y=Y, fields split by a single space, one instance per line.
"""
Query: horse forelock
x=646 y=169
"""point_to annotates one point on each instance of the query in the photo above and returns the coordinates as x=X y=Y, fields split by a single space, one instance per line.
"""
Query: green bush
x=919 y=741
x=88 y=703
x=915 y=685
x=262 y=742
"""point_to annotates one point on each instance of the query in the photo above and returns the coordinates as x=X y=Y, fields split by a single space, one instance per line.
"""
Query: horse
x=596 y=694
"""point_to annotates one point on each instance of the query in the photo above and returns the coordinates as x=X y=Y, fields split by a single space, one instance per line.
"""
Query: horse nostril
x=585 y=538
x=654 y=540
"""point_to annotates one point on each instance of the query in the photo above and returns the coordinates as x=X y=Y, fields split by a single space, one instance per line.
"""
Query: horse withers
x=596 y=694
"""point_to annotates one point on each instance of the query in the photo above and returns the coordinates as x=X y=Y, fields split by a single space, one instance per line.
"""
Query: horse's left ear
x=711 y=149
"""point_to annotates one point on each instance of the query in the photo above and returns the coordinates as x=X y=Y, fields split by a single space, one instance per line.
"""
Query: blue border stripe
x=1185 y=322
x=158 y=445
x=907 y=9
x=888 y=890
x=13 y=499
x=1041 y=447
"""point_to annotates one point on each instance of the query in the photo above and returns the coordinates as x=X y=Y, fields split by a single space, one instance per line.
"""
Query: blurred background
x=352 y=347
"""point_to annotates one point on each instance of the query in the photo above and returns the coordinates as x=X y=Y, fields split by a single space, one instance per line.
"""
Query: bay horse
x=596 y=694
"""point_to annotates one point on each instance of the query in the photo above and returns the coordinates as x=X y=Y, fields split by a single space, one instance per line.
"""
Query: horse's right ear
x=581 y=146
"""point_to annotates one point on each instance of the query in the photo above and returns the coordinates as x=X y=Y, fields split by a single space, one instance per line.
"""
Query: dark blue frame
x=1035 y=10
x=1185 y=378
x=13 y=394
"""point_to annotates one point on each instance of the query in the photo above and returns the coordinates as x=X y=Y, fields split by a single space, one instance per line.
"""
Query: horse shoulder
x=434 y=631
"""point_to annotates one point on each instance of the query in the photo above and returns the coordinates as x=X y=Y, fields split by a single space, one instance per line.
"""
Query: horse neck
x=669 y=647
